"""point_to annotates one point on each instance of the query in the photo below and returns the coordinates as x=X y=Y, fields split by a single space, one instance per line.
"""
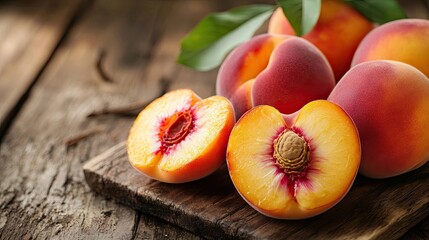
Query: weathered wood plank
x=30 y=31
x=43 y=193
x=186 y=79
x=212 y=208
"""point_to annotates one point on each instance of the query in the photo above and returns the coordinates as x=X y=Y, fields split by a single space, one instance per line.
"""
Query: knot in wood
x=291 y=152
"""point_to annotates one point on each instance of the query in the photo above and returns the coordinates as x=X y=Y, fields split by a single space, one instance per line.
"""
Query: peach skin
x=405 y=40
x=294 y=166
x=337 y=33
x=179 y=137
x=285 y=72
x=389 y=103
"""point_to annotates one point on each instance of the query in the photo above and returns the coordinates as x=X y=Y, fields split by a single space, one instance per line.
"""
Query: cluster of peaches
x=312 y=112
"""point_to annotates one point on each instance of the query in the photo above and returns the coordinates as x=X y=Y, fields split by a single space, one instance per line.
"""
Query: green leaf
x=379 y=11
x=302 y=14
x=205 y=47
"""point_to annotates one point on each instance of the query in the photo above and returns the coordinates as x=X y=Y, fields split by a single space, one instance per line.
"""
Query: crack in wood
x=129 y=109
x=239 y=229
x=73 y=140
x=52 y=182
x=219 y=222
x=137 y=217
x=10 y=197
x=105 y=77
x=156 y=30
x=133 y=108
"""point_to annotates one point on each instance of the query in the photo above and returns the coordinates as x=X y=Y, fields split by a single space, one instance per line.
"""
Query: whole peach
x=404 y=40
x=283 y=71
x=337 y=33
x=389 y=103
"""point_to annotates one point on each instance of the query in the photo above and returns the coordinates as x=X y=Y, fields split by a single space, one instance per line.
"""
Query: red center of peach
x=291 y=152
x=177 y=128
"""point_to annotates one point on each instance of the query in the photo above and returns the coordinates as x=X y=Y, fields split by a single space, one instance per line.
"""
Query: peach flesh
x=180 y=137
x=290 y=143
x=309 y=179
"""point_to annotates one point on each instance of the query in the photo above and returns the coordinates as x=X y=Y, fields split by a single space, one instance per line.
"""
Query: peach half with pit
x=180 y=137
x=294 y=166
x=285 y=72
x=389 y=103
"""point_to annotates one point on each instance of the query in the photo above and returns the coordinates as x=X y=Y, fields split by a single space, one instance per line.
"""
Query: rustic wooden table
x=60 y=61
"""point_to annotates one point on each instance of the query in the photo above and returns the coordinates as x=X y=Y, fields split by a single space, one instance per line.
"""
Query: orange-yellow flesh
x=211 y=115
x=335 y=154
x=143 y=140
x=251 y=164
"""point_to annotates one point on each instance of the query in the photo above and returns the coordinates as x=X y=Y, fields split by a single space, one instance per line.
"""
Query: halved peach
x=294 y=166
x=180 y=138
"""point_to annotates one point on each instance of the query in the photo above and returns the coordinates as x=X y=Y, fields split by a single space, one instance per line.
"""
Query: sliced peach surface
x=179 y=137
x=294 y=166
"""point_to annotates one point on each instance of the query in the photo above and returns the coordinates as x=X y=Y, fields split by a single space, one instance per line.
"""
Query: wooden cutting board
x=211 y=207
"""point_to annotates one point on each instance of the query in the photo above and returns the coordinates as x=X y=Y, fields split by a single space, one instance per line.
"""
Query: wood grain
x=30 y=33
x=373 y=209
x=49 y=83
x=43 y=194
